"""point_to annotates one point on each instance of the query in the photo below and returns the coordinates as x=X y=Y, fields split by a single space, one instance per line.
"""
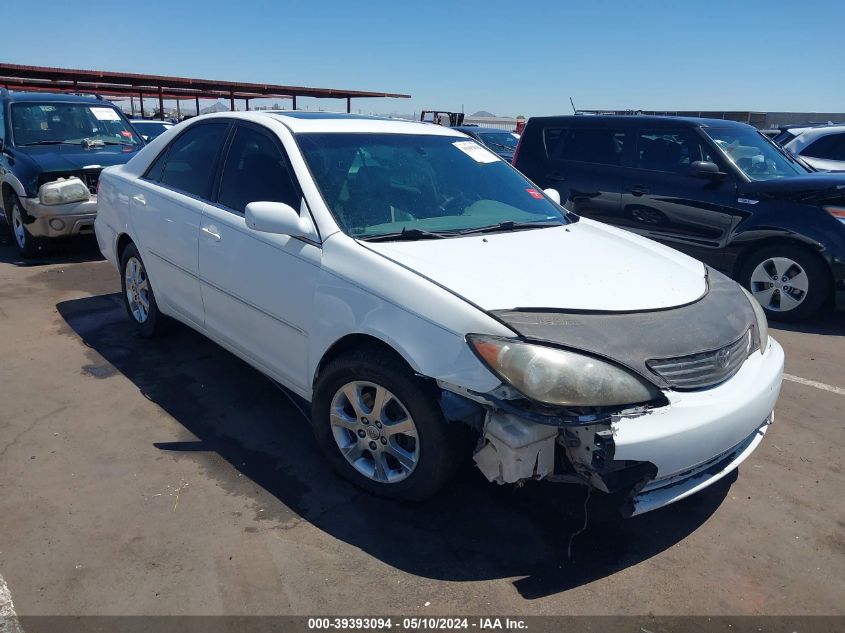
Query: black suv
x=717 y=190
x=52 y=150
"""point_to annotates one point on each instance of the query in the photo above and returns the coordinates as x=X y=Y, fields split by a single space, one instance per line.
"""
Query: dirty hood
x=580 y=266
x=62 y=158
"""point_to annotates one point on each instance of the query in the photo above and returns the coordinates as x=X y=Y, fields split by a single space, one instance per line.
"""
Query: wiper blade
x=509 y=225
x=405 y=234
x=503 y=146
x=49 y=143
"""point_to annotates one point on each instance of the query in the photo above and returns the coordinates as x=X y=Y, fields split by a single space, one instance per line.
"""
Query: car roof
x=53 y=97
x=634 y=120
x=305 y=122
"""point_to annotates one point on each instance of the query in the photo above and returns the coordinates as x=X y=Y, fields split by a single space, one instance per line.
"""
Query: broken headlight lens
x=762 y=322
x=63 y=191
x=560 y=377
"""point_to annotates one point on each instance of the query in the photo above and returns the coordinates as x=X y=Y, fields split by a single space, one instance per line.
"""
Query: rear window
x=600 y=146
x=830 y=147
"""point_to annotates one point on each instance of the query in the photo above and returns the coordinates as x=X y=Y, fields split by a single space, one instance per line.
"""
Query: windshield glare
x=377 y=184
x=73 y=123
x=754 y=154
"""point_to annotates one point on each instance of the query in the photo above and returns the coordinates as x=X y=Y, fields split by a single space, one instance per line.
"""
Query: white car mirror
x=280 y=218
x=553 y=194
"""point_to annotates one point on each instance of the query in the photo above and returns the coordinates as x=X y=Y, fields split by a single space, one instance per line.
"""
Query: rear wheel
x=138 y=295
x=790 y=282
x=381 y=427
x=28 y=245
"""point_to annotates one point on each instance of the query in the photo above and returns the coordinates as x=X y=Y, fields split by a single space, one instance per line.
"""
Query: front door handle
x=639 y=190
x=211 y=231
x=140 y=199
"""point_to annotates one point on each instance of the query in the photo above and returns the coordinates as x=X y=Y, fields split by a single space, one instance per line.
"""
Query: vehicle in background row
x=714 y=189
x=425 y=297
x=821 y=146
x=149 y=128
x=442 y=117
x=499 y=141
x=52 y=150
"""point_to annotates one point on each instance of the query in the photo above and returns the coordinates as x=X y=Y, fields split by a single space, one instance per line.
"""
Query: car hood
x=581 y=266
x=73 y=157
x=815 y=186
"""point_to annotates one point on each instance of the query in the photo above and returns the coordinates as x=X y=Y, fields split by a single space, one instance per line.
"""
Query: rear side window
x=601 y=146
x=830 y=147
x=663 y=150
x=189 y=162
x=255 y=170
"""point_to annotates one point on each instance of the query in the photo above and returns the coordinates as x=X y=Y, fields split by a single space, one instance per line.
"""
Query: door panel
x=258 y=292
x=166 y=224
x=662 y=201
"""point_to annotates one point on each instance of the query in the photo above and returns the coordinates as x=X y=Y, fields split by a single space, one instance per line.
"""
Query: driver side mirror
x=705 y=169
x=281 y=219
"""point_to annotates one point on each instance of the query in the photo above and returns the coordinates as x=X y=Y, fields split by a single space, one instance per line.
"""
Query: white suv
x=416 y=288
x=822 y=146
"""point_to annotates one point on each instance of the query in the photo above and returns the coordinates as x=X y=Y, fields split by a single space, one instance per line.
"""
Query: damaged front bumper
x=59 y=220
x=653 y=456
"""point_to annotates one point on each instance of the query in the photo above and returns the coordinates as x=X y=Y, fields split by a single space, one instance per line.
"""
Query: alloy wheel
x=137 y=289
x=17 y=226
x=374 y=431
x=779 y=284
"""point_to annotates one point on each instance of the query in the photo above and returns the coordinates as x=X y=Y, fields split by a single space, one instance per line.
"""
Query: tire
x=790 y=282
x=138 y=296
x=431 y=448
x=28 y=245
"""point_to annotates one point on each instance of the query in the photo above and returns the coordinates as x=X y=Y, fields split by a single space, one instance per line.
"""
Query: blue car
x=498 y=141
x=52 y=150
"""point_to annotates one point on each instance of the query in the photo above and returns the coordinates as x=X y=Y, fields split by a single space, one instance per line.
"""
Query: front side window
x=255 y=171
x=378 y=184
x=830 y=147
x=755 y=155
x=189 y=163
x=70 y=124
x=668 y=151
x=600 y=146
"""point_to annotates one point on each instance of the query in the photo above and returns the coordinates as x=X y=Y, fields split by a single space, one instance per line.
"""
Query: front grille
x=707 y=369
x=89 y=177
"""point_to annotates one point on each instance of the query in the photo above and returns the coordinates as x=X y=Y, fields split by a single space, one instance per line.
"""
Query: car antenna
x=572 y=103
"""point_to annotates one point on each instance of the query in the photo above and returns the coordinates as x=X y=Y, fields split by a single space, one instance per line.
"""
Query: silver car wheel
x=374 y=432
x=17 y=226
x=779 y=284
x=137 y=289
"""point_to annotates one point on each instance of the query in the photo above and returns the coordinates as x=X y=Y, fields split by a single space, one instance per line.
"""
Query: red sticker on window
x=535 y=194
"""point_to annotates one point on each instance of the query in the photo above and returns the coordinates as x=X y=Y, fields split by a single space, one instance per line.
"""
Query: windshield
x=499 y=140
x=151 y=128
x=754 y=154
x=70 y=123
x=378 y=184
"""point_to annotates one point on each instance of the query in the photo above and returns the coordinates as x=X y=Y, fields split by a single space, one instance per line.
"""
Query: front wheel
x=28 y=245
x=790 y=282
x=381 y=427
x=138 y=296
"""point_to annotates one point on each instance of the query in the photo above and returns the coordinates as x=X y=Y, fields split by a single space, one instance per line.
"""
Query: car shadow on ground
x=473 y=530
x=829 y=323
x=71 y=250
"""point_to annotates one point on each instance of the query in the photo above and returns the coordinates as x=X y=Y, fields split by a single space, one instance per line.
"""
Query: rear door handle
x=211 y=231
x=639 y=190
x=140 y=199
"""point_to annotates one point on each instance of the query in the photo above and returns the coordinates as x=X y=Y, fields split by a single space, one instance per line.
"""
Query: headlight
x=762 y=322
x=63 y=191
x=559 y=377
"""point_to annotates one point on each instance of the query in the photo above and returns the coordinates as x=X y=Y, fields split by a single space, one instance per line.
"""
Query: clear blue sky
x=518 y=57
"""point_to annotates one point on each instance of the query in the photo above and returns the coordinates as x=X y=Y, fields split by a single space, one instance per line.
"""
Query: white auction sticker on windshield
x=476 y=152
x=105 y=114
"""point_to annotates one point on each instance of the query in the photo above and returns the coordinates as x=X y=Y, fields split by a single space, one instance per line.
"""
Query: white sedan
x=414 y=288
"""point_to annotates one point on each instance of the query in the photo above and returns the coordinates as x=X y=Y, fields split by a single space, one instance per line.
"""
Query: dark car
x=499 y=141
x=714 y=189
x=52 y=150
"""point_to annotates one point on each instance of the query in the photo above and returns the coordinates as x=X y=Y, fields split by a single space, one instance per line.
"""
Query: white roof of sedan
x=810 y=134
x=297 y=121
